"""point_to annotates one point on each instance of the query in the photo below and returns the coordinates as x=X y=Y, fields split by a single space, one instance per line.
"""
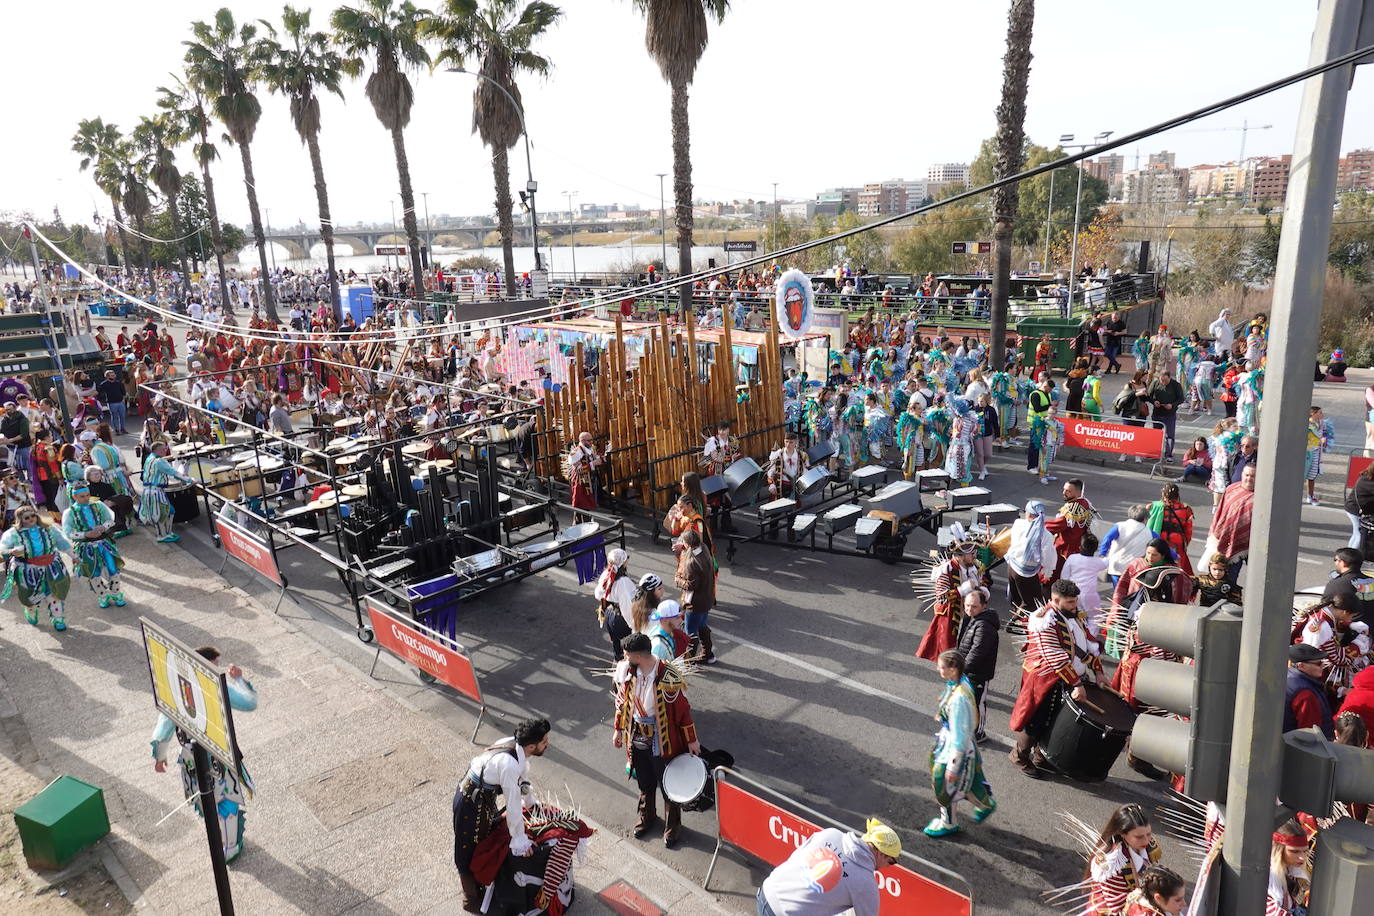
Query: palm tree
x=95 y=142
x=298 y=70
x=155 y=137
x=223 y=62
x=133 y=167
x=500 y=39
x=675 y=34
x=184 y=106
x=389 y=33
x=1011 y=153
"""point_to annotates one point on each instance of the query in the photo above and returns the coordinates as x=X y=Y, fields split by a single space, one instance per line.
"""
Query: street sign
x=190 y=690
x=970 y=247
x=958 y=247
x=985 y=247
x=749 y=247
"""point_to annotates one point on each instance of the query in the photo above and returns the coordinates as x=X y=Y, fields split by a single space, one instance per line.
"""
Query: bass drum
x=1086 y=738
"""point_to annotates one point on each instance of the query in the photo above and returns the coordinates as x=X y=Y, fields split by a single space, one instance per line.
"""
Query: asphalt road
x=817 y=694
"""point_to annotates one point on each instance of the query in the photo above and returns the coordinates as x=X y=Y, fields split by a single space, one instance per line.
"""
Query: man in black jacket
x=1348 y=578
x=978 y=641
x=1166 y=395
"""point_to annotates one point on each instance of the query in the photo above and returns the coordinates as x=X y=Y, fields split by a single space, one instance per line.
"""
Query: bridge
x=365 y=241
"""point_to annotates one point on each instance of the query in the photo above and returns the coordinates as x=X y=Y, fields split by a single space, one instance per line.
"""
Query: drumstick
x=1093 y=706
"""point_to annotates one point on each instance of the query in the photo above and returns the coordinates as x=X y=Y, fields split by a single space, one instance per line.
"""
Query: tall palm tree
x=184 y=106
x=95 y=142
x=500 y=38
x=155 y=137
x=134 y=166
x=1010 y=154
x=223 y=62
x=388 y=32
x=299 y=69
x=675 y=34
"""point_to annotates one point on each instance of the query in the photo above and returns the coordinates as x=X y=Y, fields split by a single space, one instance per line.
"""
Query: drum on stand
x=224 y=480
x=185 y=505
x=1086 y=737
x=745 y=478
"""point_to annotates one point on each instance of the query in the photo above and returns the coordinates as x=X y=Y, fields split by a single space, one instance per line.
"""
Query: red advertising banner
x=404 y=640
x=1117 y=438
x=248 y=548
x=765 y=830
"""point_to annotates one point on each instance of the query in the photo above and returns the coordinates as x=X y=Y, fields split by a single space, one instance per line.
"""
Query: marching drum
x=684 y=779
x=1086 y=738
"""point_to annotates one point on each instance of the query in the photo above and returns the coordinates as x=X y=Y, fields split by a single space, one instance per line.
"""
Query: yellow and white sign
x=190 y=690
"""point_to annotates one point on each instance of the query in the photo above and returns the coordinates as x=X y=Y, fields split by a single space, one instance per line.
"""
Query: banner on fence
x=1116 y=438
x=249 y=549
x=771 y=833
x=425 y=649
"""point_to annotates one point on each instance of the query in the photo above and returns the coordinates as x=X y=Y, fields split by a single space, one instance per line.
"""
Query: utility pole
x=662 y=223
x=268 y=214
x=59 y=376
x=1256 y=761
x=572 y=228
x=1049 y=213
x=393 y=235
x=429 y=234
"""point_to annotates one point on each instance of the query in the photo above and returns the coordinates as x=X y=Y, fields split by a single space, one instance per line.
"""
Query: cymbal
x=347 y=422
x=346 y=460
x=442 y=464
x=241 y=435
x=339 y=445
x=355 y=490
x=416 y=448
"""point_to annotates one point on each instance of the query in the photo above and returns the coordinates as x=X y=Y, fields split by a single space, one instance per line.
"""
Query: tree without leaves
x=299 y=69
x=500 y=39
x=388 y=32
x=97 y=143
x=184 y=106
x=1011 y=136
x=675 y=34
x=223 y=63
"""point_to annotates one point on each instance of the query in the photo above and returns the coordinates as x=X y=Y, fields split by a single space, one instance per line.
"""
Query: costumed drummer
x=230 y=788
x=653 y=723
x=37 y=572
x=721 y=451
x=1059 y=654
x=785 y=466
x=583 y=462
x=953 y=578
x=89 y=524
x=502 y=769
x=155 y=509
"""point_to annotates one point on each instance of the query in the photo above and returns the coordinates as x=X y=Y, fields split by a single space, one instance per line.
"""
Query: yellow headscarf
x=883 y=838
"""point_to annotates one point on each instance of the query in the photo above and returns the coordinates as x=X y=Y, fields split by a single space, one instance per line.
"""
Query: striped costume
x=1004 y=399
x=1113 y=873
x=154 y=508
x=97 y=558
x=910 y=432
x=107 y=458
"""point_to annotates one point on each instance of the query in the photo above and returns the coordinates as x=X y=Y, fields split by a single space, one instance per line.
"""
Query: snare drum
x=1086 y=738
x=684 y=779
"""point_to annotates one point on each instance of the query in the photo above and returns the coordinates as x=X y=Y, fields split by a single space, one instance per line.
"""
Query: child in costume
x=37 y=571
x=88 y=524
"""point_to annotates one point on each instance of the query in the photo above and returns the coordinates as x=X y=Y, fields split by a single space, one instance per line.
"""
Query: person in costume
x=847 y=418
x=1126 y=848
x=105 y=456
x=1222 y=447
x=670 y=639
x=230 y=788
x=1140 y=350
x=910 y=438
x=964 y=429
x=615 y=595
x=1211 y=586
x=36 y=569
x=1290 y=876
x=1188 y=351
x=1070 y=523
x=1152 y=577
x=1060 y=655
x=877 y=427
x=1092 y=395
x=1047 y=435
x=721 y=450
x=72 y=474
x=583 y=463
x=785 y=466
x=653 y=723
x=953 y=579
x=1249 y=390
x=1004 y=398
x=956 y=766
x=503 y=769
x=1172 y=519
x=816 y=416
x=689 y=512
x=1321 y=435
x=154 y=508
x=939 y=426
x=1203 y=381
x=1030 y=558
x=88 y=523
x=1161 y=893
x=1333 y=628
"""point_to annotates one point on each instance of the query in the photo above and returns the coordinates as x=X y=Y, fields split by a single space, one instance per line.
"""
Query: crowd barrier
x=769 y=826
x=1109 y=437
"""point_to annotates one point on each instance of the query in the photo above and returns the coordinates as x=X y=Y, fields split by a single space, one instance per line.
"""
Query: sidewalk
x=352 y=812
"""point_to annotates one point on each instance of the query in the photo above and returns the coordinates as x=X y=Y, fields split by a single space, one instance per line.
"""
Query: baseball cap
x=883 y=838
x=666 y=610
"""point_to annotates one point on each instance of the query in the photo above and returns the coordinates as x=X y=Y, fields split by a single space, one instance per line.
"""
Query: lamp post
x=530 y=185
x=572 y=229
x=776 y=216
x=1065 y=141
x=429 y=234
x=662 y=223
x=268 y=215
x=392 y=246
x=1049 y=213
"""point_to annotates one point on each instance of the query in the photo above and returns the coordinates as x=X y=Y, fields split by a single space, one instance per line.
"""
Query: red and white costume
x=953 y=581
x=1058 y=650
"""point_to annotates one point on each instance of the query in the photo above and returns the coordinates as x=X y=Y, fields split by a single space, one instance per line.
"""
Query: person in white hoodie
x=1031 y=558
x=831 y=872
x=1126 y=541
x=1222 y=336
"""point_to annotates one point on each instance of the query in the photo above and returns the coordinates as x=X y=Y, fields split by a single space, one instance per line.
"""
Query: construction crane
x=1244 y=129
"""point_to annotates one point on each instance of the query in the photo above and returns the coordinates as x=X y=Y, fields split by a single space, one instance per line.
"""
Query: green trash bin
x=1062 y=332
x=60 y=821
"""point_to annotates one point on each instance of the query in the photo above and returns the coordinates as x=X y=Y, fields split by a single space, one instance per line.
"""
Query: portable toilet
x=357 y=301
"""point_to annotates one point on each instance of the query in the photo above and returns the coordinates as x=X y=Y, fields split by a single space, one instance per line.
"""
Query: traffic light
x=1343 y=869
x=1204 y=692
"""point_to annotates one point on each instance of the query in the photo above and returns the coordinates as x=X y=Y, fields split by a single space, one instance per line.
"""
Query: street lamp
x=573 y=229
x=392 y=246
x=527 y=195
x=776 y=216
x=662 y=223
x=1049 y=212
x=268 y=216
x=1065 y=140
x=429 y=233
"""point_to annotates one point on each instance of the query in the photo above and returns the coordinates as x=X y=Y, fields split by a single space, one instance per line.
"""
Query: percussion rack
x=463 y=505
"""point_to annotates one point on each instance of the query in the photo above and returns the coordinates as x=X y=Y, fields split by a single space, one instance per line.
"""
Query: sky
x=804 y=93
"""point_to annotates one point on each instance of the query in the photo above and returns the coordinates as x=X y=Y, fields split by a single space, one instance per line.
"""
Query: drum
x=200 y=469
x=224 y=480
x=713 y=486
x=745 y=478
x=1086 y=738
x=355 y=490
x=185 y=505
x=252 y=485
x=811 y=481
x=684 y=779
